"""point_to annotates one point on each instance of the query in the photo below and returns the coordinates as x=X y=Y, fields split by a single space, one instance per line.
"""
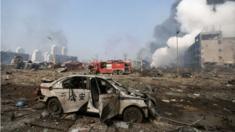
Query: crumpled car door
x=108 y=106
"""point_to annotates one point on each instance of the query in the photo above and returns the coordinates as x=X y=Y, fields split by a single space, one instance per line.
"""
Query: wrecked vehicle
x=96 y=94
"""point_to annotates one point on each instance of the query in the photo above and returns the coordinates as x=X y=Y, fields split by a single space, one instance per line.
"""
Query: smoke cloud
x=118 y=46
x=162 y=33
x=32 y=24
x=193 y=17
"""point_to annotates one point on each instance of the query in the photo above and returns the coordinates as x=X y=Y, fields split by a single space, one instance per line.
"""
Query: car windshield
x=117 y=84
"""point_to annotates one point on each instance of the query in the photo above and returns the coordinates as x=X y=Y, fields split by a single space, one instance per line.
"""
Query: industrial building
x=58 y=55
x=210 y=49
x=7 y=56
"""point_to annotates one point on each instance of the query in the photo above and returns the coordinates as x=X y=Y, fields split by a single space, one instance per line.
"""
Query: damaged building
x=7 y=56
x=210 y=49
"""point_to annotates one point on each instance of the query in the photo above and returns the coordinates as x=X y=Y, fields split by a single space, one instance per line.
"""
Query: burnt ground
x=206 y=98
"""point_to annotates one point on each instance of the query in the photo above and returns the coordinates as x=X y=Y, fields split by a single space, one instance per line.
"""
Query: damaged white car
x=97 y=95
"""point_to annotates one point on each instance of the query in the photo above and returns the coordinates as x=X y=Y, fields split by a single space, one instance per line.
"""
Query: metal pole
x=177 y=53
x=141 y=65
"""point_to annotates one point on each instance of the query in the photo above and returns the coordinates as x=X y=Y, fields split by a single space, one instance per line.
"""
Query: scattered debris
x=122 y=124
x=187 y=75
x=166 y=101
x=233 y=100
x=73 y=65
x=80 y=130
x=188 y=129
x=60 y=70
x=21 y=103
x=231 y=82
x=39 y=106
x=8 y=73
x=152 y=73
x=45 y=114
x=72 y=116
x=181 y=99
x=196 y=94
x=58 y=125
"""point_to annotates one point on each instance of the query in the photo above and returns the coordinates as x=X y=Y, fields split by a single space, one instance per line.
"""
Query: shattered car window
x=120 y=86
x=105 y=86
x=75 y=83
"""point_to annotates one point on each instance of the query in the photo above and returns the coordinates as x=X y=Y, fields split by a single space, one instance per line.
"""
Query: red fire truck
x=110 y=67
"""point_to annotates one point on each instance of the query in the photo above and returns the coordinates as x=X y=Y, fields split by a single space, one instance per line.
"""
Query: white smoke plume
x=195 y=16
x=32 y=24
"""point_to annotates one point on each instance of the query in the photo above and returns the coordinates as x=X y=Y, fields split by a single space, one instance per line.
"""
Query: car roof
x=75 y=75
x=90 y=76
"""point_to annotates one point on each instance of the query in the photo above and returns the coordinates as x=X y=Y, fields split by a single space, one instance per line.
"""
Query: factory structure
x=210 y=49
x=57 y=55
x=7 y=56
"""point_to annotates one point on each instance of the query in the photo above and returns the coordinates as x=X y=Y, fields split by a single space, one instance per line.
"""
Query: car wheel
x=115 y=72
x=133 y=114
x=120 y=72
x=54 y=107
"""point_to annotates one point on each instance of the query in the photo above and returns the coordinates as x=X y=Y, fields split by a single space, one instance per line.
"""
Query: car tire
x=54 y=106
x=120 y=72
x=115 y=72
x=133 y=114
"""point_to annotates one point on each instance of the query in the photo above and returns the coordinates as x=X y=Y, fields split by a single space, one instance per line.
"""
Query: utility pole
x=141 y=65
x=177 y=60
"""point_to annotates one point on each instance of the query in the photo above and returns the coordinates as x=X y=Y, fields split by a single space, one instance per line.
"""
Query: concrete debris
x=196 y=94
x=179 y=90
x=45 y=114
x=60 y=70
x=166 y=101
x=7 y=77
x=80 y=130
x=188 y=129
x=227 y=110
x=229 y=85
x=122 y=124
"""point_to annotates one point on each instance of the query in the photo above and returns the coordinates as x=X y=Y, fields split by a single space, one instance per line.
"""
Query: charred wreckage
x=96 y=94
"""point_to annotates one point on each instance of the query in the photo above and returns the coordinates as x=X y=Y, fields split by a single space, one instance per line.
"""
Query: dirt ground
x=205 y=102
